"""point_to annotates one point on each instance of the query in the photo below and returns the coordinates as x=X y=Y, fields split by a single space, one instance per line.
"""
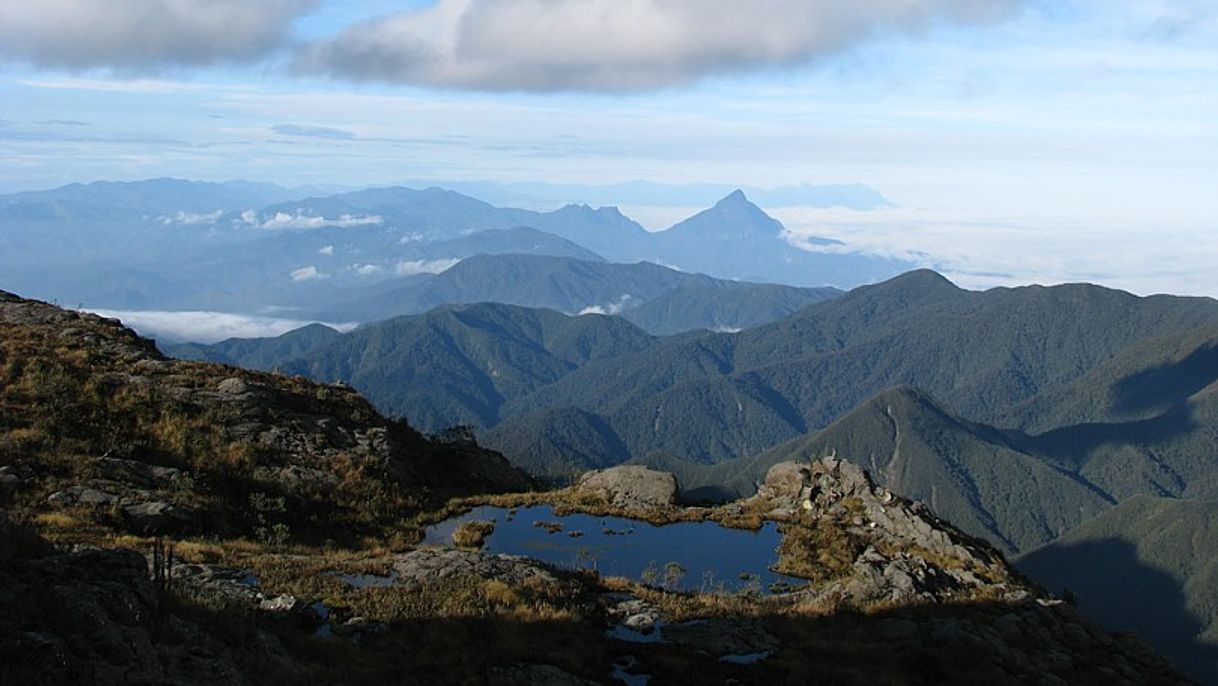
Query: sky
x=1020 y=141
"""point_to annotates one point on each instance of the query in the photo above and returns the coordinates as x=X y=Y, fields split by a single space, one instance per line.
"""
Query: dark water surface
x=713 y=557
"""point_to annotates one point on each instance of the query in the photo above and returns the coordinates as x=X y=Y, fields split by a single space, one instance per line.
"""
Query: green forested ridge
x=258 y=353
x=458 y=364
x=657 y=298
x=984 y=354
x=1050 y=362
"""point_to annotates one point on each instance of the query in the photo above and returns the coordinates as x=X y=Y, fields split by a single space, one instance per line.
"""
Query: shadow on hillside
x=1121 y=593
x=1163 y=387
x=1073 y=443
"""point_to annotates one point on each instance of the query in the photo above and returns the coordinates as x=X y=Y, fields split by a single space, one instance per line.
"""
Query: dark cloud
x=614 y=45
x=143 y=35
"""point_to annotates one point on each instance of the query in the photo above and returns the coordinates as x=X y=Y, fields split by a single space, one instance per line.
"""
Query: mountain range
x=245 y=248
x=1072 y=426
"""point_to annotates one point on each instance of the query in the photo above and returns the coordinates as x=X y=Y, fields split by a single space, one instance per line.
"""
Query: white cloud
x=411 y=267
x=192 y=218
x=208 y=327
x=550 y=45
x=309 y=273
x=981 y=251
x=143 y=35
x=366 y=269
x=410 y=238
x=609 y=309
x=284 y=220
x=327 y=251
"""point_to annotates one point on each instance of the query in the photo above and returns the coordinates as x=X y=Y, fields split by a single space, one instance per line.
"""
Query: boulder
x=82 y=495
x=632 y=487
x=233 y=386
x=282 y=604
x=157 y=518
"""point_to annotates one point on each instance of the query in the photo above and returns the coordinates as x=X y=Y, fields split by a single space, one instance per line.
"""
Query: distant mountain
x=164 y=196
x=736 y=239
x=459 y=364
x=1148 y=565
x=646 y=193
x=663 y=300
x=258 y=353
x=723 y=306
x=714 y=397
x=246 y=248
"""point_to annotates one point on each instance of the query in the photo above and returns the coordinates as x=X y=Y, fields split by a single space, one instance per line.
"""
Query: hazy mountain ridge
x=252 y=247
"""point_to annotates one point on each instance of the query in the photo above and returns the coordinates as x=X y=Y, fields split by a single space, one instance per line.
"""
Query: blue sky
x=1020 y=141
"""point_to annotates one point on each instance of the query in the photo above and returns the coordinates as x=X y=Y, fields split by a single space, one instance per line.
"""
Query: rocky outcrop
x=136 y=473
x=163 y=446
x=906 y=554
x=428 y=566
x=631 y=487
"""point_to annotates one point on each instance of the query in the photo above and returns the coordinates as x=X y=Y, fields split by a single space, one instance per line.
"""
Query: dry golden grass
x=472 y=534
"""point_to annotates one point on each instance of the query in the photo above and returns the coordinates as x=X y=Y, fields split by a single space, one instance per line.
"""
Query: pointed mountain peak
x=736 y=197
x=733 y=217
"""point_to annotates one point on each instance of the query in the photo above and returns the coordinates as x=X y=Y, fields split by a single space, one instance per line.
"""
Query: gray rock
x=82 y=495
x=233 y=386
x=282 y=604
x=133 y=472
x=631 y=487
x=157 y=518
x=430 y=565
x=218 y=585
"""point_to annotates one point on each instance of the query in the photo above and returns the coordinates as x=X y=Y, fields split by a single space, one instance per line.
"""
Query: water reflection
x=686 y=556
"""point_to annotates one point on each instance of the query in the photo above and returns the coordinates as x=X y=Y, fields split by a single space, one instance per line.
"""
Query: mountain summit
x=732 y=218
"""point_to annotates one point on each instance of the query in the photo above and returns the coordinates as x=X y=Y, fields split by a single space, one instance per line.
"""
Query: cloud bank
x=208 y=327
x=412 y=267
x=144 y=35
x=284 y=220
x=614 y=45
